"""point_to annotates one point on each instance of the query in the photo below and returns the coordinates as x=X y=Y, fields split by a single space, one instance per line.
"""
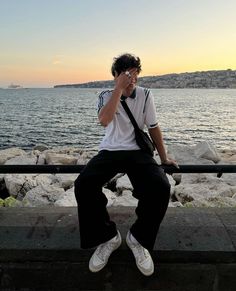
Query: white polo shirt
x=119 y=133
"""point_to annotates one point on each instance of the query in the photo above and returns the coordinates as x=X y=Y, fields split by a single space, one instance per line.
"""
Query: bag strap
x=129 y=113
x=131 y=117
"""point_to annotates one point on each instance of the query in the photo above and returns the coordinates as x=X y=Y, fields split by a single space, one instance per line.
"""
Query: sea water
x=63 y=117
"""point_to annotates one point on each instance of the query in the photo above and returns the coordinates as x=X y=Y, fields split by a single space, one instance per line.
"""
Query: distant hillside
x=205 y=79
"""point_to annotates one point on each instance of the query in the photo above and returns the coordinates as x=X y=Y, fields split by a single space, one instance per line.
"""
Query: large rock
x=82 y=160
x=9 y=154
x=84 y=157
x=212 y=202
x=22 y=160
x=65 y=181
x=188 y=193
x=172 y=183
x=222 y=201
x=123 y=183
x=68 y=156
x=175 y=204
x=182 y=154
x=60 y=159
x=44 y=179
x=111 y=196
x=212 y=192
x=227 y=156
x=67 y=199
x=40 y=156
x=32 y=158
x=193 y=178
x=43 y=195
x=229 y=178
x=187 y=155
x=19 y=184
x=207 y=151
x=126 y=199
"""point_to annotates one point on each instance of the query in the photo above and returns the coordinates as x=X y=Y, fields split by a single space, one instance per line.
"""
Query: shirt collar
x=133 y=95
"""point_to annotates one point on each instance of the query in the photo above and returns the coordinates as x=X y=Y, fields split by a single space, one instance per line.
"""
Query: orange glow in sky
x=44 y=43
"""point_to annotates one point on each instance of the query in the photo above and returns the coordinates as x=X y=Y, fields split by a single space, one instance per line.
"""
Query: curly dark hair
x=124 y=62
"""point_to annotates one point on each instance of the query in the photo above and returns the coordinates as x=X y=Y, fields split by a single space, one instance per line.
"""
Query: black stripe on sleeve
x=101 y=99
x=146 y=92
x=153 y=125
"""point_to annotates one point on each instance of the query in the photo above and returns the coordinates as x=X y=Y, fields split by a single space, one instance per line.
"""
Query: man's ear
x=116 y=75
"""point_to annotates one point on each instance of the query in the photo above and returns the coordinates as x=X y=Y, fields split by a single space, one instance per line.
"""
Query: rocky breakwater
x=187 y=190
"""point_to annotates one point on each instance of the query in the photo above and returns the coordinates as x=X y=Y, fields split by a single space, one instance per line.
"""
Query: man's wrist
x=118 y=90
x=164 y=161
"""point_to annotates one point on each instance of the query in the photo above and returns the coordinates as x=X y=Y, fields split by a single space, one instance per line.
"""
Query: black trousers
x=151 y=188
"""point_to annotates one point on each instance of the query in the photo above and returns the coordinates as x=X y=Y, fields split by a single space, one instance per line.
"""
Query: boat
x=14 y=86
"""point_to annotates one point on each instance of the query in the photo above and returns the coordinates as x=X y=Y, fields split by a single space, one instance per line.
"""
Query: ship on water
x=14 y=86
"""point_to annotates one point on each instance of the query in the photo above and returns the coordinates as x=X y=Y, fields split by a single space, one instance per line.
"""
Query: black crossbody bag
x=142 y=138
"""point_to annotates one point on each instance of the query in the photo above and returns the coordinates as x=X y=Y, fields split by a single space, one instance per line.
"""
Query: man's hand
x=124 y=80
x=170 y=162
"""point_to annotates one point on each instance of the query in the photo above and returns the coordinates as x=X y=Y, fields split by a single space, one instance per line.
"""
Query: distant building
x=204 y=79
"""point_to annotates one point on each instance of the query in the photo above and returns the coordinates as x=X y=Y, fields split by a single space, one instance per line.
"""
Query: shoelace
x=104 y=250
x=140 y=252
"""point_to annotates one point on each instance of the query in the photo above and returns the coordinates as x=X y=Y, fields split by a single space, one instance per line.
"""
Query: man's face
x=133 y=79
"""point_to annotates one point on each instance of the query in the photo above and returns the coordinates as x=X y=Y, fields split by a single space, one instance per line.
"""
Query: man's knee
x=160 y=188
x=162 y=180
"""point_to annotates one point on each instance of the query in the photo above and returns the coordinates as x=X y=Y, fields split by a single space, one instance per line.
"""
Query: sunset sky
x=49 y=42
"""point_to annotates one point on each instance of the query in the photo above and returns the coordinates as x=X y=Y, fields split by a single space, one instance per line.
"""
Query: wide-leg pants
x=151 y=188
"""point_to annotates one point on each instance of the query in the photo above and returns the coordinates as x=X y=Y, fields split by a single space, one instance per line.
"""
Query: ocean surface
x=60 y=117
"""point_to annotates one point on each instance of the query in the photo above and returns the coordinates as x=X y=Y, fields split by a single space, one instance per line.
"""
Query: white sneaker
x=100 y=257
x=142 y=256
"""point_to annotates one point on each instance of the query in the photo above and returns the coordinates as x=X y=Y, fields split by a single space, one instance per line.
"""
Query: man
x=119 y=153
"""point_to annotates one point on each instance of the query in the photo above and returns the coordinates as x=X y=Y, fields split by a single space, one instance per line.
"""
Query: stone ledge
x=196 y=235
x=39 y=250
